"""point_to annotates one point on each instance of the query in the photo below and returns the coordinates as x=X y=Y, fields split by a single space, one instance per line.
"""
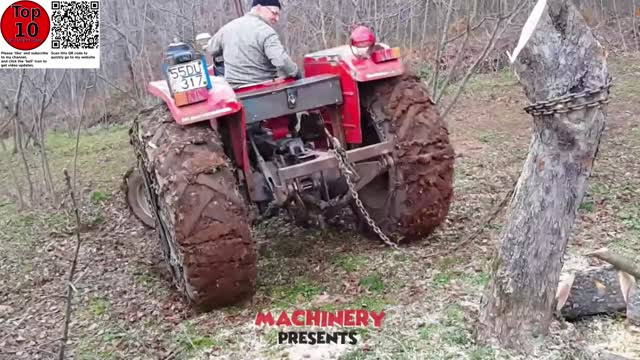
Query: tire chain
x=566 y=103
x=343 y=163
x=147 y=168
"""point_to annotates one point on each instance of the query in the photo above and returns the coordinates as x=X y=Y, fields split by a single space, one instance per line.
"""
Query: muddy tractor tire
x=417 y=201
x=200 y=216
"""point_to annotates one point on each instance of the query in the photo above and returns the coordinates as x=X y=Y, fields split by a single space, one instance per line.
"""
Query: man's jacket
x=252 y=51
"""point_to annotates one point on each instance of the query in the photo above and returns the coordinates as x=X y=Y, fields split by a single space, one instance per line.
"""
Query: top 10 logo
x=25 y=25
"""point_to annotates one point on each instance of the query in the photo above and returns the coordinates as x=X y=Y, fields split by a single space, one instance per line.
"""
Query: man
x=251 y=48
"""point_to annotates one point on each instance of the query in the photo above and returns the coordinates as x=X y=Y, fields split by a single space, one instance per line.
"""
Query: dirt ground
x=125 y=307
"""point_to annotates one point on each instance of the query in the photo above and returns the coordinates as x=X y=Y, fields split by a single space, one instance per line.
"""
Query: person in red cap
x=250 y=47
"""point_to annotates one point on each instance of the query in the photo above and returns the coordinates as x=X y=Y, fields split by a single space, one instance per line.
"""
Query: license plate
x=187 y=76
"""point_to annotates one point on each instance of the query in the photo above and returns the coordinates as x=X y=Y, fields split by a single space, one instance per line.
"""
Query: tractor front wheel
x=201 y=218
x=413 y=199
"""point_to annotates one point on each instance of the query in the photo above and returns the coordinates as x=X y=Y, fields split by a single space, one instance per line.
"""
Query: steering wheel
x=218 y=66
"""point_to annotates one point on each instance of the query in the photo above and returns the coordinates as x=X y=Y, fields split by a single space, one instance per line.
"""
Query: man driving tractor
x=251 y=48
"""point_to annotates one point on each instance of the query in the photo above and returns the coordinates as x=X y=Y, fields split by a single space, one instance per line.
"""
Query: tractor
x=356 y=133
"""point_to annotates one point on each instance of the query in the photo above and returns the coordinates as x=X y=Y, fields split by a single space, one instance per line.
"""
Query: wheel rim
x=141 y=199
x=138 y=200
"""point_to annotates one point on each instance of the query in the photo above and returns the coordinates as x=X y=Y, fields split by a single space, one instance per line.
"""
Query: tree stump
x=593 y=292
x=562 y=57
x=633 y=305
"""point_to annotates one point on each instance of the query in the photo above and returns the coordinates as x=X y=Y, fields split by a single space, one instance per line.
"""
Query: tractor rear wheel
x=417 y=201
x=200 y=216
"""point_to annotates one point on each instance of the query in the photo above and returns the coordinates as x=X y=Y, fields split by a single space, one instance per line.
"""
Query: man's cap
x=266 y=3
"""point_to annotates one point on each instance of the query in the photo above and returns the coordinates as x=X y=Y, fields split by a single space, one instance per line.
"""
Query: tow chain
x=566 y=103
x=341 y=155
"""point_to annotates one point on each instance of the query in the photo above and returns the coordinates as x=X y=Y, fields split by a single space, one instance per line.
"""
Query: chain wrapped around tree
x=563 y=71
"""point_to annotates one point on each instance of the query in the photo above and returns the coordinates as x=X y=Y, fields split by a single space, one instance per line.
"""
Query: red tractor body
x=330 y=88
x=355 y=132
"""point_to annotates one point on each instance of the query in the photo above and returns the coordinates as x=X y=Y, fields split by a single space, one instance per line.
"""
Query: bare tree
x=561 y=58
x=498 y=30
x=18 y=130
x=45 y=99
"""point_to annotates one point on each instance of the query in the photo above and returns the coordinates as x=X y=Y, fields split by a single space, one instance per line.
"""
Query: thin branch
x=64 y=73
x=40 y=138
x=81 y=118
x=5 y=126
x=122 y=34
x=436 y=61
x=74 y=262
x=169 y=11
x=18 y=139
x=16 y=100
x=466 y=32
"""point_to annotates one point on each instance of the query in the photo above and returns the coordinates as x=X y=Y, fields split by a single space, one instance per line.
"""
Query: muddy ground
x=125 y=307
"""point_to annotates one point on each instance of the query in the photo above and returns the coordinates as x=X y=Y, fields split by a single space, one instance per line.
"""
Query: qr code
x=75 y=24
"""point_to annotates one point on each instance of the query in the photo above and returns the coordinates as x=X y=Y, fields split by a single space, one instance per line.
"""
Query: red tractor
x=355 y=132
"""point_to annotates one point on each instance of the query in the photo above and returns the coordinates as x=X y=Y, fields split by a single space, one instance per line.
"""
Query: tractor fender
x=352 y=70
x=221 y=101
x=363 y=69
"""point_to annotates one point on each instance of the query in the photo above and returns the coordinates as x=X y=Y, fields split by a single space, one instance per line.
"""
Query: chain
x=154 y=188
x=566 y=103
x=268 y=212
x=341 y=155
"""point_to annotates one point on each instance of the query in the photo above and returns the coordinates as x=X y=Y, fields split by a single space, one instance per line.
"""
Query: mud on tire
x=424 y=159
x=201 y=218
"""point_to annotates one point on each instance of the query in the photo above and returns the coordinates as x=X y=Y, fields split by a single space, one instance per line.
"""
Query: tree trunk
x=561 y=57
x=633 y=305
x=40 y=135
x=593 y=292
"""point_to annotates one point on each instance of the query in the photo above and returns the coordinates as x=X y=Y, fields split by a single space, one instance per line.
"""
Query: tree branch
x=74 y=262
x=488 y=47
x=118 y=88
x=436 y=61
x=459 y=55
x=620 y=262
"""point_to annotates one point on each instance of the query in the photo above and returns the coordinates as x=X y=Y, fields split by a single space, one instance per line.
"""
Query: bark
x=561 y=57
x=593 y=292
x=633 y=305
